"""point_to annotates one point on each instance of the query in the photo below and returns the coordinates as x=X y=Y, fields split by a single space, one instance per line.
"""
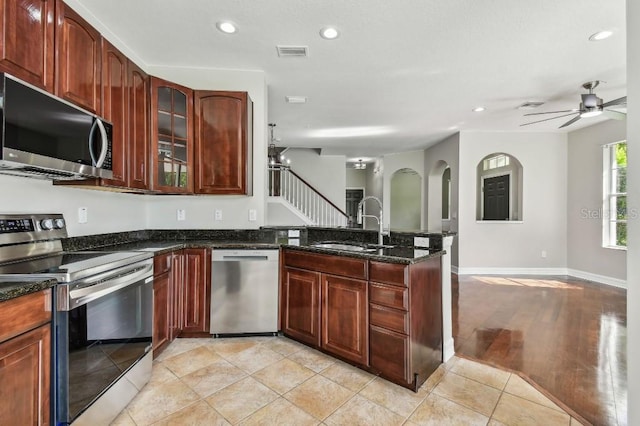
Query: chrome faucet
x=381 y=232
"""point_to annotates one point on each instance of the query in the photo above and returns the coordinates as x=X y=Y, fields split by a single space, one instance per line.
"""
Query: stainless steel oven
x=103 y=320
x=103 y=330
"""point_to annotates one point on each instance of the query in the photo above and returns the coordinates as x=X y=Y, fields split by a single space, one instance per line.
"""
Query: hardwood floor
x=567 y=335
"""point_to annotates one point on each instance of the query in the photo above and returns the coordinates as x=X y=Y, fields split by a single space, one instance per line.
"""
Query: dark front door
x=354 y=196
x=496 y=198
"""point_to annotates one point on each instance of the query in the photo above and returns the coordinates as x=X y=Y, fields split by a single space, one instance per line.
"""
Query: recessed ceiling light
x=329 y=33
x=600 y=35
x=227 y=27
x=478 y=109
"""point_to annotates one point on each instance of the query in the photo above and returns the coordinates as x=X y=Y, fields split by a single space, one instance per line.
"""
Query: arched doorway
x=406 y=200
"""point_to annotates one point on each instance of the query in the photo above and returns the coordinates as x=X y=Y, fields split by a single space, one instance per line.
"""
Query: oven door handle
x=70 y=296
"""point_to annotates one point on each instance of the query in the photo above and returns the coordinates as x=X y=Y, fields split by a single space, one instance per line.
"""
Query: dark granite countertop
x=161 y=247
x=397 y=254
x=12 y=289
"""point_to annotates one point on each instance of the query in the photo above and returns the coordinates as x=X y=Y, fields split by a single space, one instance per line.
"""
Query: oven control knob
x=46 y=224
x=58 y=223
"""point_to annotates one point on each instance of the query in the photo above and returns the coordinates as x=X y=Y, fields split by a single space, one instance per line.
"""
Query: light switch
x=253 y=215
x=181 y=214
x=83 y=215
x=218 y=214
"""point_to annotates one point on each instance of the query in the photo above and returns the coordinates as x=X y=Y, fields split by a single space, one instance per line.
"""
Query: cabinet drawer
x=392 y=319
x=389 y=354
x=389 y=295
x=24 y=313
x=162 y=263
x=389 y=273
x=337 y=265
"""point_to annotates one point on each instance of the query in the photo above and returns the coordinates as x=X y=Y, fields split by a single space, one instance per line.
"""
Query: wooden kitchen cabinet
x=223 y=142
x=324 y=303
x=171 y=137
x=300 y=305
x=138 y=131
x=345 y=318
x=405 y=308
x=177 y=294
x=197 y=292
x=27 y=34
x=115 y=110
x=78 y=60
x=25 y=359
x=162 y=287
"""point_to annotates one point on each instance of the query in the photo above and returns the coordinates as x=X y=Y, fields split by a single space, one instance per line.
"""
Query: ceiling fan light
x=593 y=113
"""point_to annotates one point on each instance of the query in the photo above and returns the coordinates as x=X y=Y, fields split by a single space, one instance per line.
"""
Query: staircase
x=302 y=199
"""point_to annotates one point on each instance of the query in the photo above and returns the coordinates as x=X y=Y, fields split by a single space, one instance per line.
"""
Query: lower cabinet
x=344 y=318
x=383 y=317
x=197 y=292
x=25 y=359
x=300 y=299
x=162 y=307
x=176 y=315
x=323 y=307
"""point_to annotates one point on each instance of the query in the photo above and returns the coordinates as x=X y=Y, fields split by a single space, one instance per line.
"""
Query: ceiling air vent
x=530 y=105
x=292 y=51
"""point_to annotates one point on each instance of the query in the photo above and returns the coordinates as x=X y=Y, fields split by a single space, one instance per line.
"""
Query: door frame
x=494 y=175
x=364 y=194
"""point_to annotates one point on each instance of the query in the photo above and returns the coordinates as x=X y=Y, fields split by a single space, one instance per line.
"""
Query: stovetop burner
x=31 y=248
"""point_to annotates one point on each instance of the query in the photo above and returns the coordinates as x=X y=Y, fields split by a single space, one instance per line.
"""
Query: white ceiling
x=412 y=70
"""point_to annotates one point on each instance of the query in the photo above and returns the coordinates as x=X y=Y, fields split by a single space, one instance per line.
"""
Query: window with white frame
x=614 y=217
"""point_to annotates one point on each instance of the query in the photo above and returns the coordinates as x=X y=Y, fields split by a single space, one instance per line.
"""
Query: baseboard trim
x=588 y=276
x=454 y=269
x=615 y=282
x=512 y=271
x=448 y=350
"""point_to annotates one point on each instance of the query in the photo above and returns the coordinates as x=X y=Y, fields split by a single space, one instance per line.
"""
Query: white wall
x=107 y=211
x=449 y=152
x=161 y=210
x=392 y=163
x=405 y=201
x=509 y=245
x=326 y=173
x=633 y=202
x=357 y=178
x=585 y=253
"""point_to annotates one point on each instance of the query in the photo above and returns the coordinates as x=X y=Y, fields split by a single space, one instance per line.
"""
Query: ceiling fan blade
x=616 y=115
x=547 y=119
x=619 y=101
x=573 y=120
x=550 y=112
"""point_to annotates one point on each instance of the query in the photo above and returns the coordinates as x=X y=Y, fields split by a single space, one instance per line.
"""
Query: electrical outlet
x=253 y=215
x=543 y=254
x=217 y=214
x=83 y=215
x=181 y=214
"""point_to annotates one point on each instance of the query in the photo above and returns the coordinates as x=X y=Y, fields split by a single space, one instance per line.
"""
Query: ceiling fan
x=591 y=106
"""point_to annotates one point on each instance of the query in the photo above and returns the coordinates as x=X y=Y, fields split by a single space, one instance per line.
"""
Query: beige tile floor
x=276 y=381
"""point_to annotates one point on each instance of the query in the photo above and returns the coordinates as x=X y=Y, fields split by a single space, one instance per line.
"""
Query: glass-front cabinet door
x=172 y=137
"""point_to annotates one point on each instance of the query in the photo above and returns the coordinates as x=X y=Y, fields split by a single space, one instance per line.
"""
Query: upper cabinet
x=223 y=142
x=114 y=108
x=171 y=137
x=78 y=59
x=26 y=46
x=138 y=137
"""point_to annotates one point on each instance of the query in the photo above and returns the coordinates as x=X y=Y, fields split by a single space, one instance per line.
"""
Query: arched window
x=499 y=188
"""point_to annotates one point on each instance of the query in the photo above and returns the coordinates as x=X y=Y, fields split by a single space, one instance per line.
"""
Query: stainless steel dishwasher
x=244 y=292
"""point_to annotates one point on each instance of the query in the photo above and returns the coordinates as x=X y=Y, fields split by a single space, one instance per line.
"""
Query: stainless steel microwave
x=46 y=137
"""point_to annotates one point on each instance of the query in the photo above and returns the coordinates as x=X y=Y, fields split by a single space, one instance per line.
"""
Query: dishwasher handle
x=236 y=258
x=235 y=255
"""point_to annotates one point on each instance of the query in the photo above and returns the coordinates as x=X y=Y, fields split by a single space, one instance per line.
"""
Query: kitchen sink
x=345 y=247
